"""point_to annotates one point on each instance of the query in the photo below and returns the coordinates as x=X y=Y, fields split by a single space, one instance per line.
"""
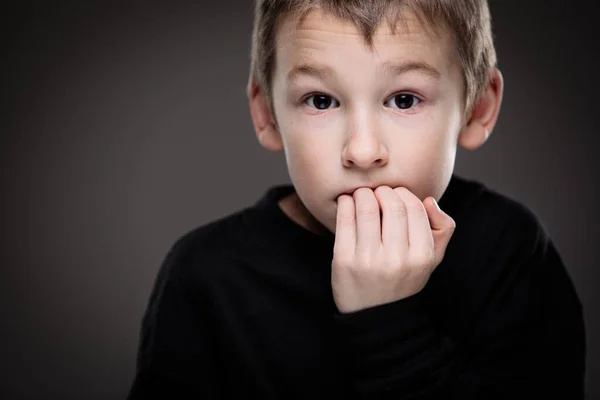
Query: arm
x=175 y=357
x=529 y=341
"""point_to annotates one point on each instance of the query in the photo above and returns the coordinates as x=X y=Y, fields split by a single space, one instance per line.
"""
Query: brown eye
x=320 y=101
x=404 y=101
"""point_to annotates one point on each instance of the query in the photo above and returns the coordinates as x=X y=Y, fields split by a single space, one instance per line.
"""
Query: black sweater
x=242 y=307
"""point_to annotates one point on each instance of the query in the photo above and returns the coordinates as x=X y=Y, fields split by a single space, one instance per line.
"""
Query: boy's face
x=349 y=117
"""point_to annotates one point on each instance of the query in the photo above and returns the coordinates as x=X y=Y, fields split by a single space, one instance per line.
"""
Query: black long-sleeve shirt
x=242 y=307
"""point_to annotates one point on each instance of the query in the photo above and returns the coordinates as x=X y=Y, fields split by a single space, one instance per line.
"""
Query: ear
x=264 y=125
x=485 y=112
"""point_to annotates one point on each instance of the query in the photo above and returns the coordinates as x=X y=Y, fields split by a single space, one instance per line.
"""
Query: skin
x=388 y=138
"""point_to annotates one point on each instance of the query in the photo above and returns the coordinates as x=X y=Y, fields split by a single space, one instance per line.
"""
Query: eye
x=404 y=101
x=320 y=101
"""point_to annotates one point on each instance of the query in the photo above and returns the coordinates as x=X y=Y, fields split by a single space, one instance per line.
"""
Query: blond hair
x=467 y=20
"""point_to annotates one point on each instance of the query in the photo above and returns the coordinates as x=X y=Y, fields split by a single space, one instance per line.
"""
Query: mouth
x=351 y=191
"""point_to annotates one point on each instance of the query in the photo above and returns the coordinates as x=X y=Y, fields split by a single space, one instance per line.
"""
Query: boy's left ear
x=485 y=112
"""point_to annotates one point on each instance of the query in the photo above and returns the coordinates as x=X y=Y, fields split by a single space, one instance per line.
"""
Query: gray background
x=125 y=124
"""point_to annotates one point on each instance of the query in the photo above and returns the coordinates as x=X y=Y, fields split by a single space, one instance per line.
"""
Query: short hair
x=468 y=21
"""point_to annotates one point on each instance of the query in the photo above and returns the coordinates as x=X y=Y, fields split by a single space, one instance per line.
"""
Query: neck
x=293 y=207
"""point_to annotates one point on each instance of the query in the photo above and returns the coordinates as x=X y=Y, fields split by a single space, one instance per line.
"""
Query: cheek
x=311 y=141
x=438 y=135
x=434 y=152
x=308 y=127
x=422 y=140
x=425 y=156
x=310 y=161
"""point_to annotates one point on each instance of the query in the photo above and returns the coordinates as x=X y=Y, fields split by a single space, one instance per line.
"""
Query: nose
x=364 y=150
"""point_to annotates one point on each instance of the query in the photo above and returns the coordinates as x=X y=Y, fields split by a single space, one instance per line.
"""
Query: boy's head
x=371 y=92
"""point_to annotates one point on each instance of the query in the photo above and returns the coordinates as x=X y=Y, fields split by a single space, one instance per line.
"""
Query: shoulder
x=506 y=249
x=206 y=250
x=500 y=249
x=488 y=209
x=496 y=224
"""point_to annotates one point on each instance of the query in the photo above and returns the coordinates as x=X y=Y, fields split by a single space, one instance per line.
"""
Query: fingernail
x=436 y=205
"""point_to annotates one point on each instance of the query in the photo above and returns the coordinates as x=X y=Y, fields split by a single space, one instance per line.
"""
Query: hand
x=376 y=263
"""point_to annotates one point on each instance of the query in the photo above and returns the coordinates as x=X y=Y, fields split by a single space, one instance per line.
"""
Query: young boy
x=351 y=282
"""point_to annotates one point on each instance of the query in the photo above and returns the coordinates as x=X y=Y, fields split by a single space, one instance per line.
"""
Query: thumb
x=442 y=227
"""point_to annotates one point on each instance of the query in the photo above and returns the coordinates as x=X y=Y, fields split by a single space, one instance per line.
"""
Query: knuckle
x=362 y=263
x=367 y=209
x=346 y=220
x=397 y=206
x=414 y=204
x=424 y=259
x=365 y=201
x=395 y=260
x=452 y=224
x=421 y=212
x=388 y=273
x=431 y=257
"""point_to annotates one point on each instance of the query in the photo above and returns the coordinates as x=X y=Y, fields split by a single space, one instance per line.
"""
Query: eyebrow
x=395 y=69
x=322 y=72
x=319 y=72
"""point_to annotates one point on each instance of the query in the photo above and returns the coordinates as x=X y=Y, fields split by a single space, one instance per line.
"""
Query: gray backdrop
x=125 y=124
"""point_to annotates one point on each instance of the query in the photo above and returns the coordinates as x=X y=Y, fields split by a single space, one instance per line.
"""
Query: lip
x=351 y=191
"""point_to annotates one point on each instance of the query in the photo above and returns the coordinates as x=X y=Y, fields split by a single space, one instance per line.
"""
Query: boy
x=352 y=283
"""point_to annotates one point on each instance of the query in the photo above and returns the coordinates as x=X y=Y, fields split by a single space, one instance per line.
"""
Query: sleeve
x=527 y=342
x=176 y=355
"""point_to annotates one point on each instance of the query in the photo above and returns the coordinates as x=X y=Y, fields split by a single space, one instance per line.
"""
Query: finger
x=394 y=227
x=345 y=228
x=442 y=227
x=368 y=225
x=420 y=238
x=439 y=220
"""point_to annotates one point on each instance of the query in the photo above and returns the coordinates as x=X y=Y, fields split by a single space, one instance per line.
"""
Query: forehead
x=320 y=35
